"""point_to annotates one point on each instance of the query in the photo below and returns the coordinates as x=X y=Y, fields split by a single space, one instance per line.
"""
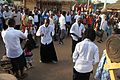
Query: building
x=115 y=7
x=64 y=5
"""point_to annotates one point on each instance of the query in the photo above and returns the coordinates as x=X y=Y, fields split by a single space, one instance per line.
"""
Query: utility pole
x=88 y=2
x=105 y=4
x=104 y=7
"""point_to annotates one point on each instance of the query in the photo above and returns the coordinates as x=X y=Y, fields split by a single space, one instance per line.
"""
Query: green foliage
x=9 y=1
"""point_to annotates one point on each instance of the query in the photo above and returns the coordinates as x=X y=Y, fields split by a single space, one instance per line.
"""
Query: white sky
x=108 y=1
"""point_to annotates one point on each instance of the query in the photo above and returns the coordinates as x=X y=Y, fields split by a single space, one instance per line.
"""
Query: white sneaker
x=40 y=61
x=25 y=69
x=54 y=62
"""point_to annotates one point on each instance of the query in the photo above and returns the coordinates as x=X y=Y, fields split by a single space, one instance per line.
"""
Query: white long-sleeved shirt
x=68 y=18
x=48 y=33
x=78 y=30
x=18 y=19
x=102 y=16
x=105 y=25
x=11 y=38
x=77 y=16
x=62 y=22
x=86 y=54
x=52 y=24
x=36 y=18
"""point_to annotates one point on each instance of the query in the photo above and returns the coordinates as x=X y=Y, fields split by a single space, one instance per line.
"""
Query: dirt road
x=60 y=71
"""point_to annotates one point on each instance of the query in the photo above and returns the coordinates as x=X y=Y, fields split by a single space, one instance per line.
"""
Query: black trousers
x=74 y=44
x=18 y=63
x=68 y=28
x=37 y=24
x=17 y=27
x=81 y=76
x=48 y=53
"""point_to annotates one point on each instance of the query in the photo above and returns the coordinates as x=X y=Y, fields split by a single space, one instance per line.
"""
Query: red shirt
x=89 y=20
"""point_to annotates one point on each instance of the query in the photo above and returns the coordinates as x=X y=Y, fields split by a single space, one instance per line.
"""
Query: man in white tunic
x=47 y=50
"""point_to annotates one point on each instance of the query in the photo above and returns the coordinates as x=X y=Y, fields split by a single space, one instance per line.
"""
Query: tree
x=9 y=1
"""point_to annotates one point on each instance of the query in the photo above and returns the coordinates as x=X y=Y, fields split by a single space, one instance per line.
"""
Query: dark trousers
x=48 y=53
x=74 y=44
x=80 y=76
x=18 y=64
x=37 y=24
x=17 y=27
x=68 y=28
x=62 y=35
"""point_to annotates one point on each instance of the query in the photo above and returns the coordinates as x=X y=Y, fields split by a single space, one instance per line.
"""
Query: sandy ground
x=60 y=71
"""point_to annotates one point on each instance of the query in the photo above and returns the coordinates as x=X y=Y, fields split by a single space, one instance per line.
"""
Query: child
x=29 y=46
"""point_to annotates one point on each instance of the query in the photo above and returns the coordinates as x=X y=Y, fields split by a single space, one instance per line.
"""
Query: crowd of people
x=18 y=24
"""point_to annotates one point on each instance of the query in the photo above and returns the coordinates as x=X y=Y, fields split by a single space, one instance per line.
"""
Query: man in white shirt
x=11 y=38
x=47 y=50
x=36 y=20
x=86 y=54
x=7 y=14
x=62 y=30
x=102 y=16
x=76 y=32
x=68 y=22
x=17 y=17
x=77 y=15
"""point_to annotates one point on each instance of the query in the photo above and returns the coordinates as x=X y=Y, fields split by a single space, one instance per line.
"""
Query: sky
x=108 y=1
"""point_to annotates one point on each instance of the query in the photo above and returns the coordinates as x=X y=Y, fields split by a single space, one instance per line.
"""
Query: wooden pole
x=111 y=71
x=24 y=3
x=104 y=7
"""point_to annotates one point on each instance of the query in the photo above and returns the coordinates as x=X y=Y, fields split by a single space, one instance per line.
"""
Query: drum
x=5 y=64
x=5 y=76
x=113 y=48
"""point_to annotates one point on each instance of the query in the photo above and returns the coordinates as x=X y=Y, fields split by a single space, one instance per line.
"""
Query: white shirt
x=52 y=23
x=62 y=22
x=7 y=15
x=35 y=18
x=68 y=18
x=102 y=16
x=48 y=33
x=104 y=25
x=86 y=54
x=11 y=38
x=78 y=30
x=17 y=18
x=119 y=25
x=31 y=19
x=77 y=16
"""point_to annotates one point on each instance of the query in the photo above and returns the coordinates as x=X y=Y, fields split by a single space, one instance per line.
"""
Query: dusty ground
x=60 y=71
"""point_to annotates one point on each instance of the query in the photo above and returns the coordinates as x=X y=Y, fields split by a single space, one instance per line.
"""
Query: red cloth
x=89 y=20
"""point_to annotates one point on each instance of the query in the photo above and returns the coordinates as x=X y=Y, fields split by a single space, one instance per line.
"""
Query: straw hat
x=113 y=48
